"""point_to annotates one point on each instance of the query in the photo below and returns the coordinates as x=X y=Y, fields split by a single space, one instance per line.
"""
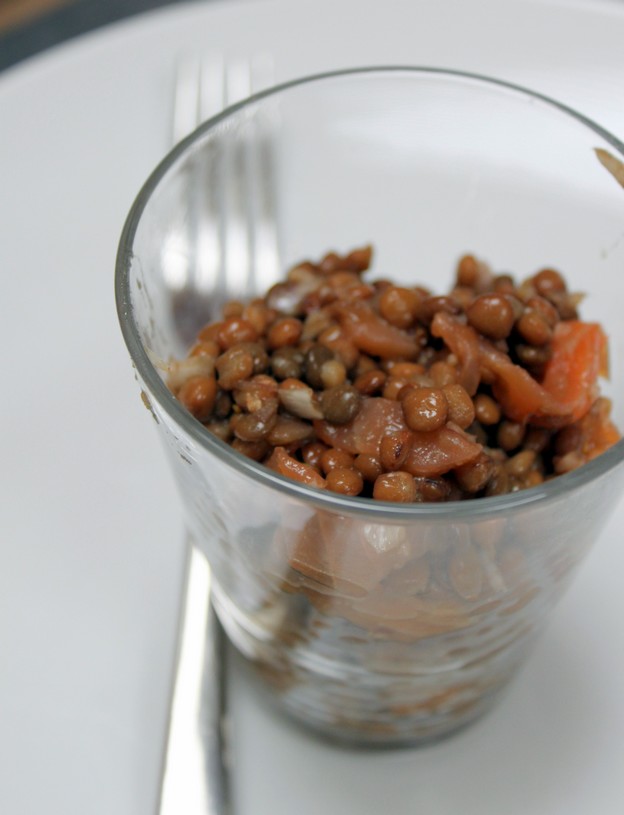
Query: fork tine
x=251 y=249
x=237 y=81
x=266 y=256
x=237 y=238
x=185 y=99
x=211 y=87
x=209 y=263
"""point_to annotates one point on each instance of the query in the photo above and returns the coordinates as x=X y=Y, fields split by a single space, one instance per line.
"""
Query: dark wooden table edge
x=66 y=23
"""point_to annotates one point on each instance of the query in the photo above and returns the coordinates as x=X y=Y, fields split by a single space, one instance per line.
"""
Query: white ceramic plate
x=91 y=547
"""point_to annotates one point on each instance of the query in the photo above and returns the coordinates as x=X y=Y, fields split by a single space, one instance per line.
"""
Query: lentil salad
x=397 y=393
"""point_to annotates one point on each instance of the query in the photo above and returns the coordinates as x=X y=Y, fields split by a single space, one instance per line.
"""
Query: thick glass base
x=378 y=693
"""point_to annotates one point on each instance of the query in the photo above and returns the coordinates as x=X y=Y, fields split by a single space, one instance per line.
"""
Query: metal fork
x=195 y=779
x=237 y=254
x=239 y=251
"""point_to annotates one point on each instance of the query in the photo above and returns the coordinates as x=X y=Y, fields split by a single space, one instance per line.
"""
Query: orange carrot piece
x=569 y=386
x=372 y=334
x=578 y=359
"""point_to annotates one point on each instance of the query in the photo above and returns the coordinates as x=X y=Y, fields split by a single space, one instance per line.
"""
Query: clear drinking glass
x=374 y=622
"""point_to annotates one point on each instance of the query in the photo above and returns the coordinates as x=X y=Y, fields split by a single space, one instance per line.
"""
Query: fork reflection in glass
x=231 y=246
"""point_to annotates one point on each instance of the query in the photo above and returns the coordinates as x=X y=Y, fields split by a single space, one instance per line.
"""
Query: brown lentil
x=342 y=280
x=520 y=464
x=333 y=459
x=503 y=284
x=425 y=409
x=510 y=435
x=393 y=386
x=548 y=281
x=432 y=489
x=474 y=476
x=219 y=428
x=406 y=370
x=255 y=450
x=431 y=305
x=233 y=308
x=259 y=316
x=463 y=296
x=285 y=331
x=534 y=328
x=260 y=356
x=334 y=338
x=210 y=332
x=198 y=396
x=460 y=406
x=358 y=260
x=345 y=480
x=369 y=466
x=537 y=438
x=312 y=453
x=487 y=411
x=393 y=450
x=399 y=306
x=370 y=382
x=568 y=462
x=532 y=357
x=499 y=481
x=287 y=363
x=256 y=426
x=545 y=308
x=235 y=330
x=398 y=486
x=286 y=431
x=532 y=479
x=566 y=304
x=315 y=358
x=364 y=365
x=517 y=306
x=525 y=291
x=233 y=366
x=208 y=348
x=468 y=272
x=315 y=323
x=479 y=433
x=223 y=405
x=333 y=373
x=340 y=404
x=330 y=263
x=491 y=315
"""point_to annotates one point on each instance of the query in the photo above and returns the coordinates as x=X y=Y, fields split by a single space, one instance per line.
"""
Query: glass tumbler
x=373 y=622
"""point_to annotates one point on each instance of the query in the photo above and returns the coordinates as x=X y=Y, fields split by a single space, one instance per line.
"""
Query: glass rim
x=347 y=505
